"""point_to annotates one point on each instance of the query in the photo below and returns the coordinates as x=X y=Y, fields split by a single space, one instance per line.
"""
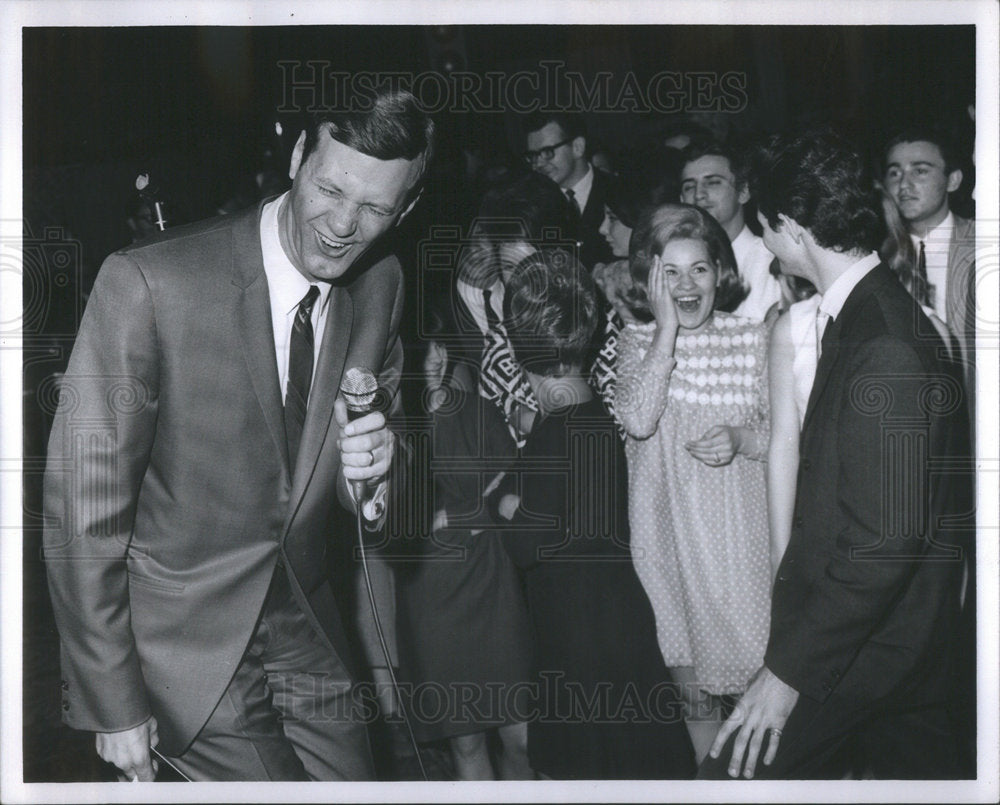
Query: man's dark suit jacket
x=594 y=248
x=168 y=495
x=866 y=596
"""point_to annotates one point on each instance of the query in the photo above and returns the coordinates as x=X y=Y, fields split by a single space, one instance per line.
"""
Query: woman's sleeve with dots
x=643 y=384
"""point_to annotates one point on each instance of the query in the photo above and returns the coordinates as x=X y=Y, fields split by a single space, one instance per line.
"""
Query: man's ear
x=579 y=147
x=790 y=227
x=744 y=195
x=296 y=163
x=954 y=180
x=410 y=206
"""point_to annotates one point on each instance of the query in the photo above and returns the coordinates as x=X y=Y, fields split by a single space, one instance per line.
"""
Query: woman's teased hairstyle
x=551 y=313
x=668 y=222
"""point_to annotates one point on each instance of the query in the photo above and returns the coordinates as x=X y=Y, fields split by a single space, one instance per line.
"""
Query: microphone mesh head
x=358 y=387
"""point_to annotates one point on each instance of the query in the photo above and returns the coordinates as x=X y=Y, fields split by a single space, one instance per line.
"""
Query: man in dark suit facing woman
x=198 y=455
x=860 y=656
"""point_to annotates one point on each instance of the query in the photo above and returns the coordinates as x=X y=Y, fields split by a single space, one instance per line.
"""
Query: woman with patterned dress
x=692 y=394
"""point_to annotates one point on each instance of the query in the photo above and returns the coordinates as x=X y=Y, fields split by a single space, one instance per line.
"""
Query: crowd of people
x=680 y=510
x=676 y=327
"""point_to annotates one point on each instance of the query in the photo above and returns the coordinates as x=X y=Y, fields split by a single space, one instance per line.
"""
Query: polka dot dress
x=699 y=533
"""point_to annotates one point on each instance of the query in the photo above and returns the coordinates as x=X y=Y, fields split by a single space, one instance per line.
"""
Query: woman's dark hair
x=552 y=313
x=668 y=222
x=897 y=250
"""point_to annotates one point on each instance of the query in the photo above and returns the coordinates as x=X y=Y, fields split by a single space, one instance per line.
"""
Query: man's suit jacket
x=866 y=596
x=594 y=248
x=961 y=299
x=168 y=495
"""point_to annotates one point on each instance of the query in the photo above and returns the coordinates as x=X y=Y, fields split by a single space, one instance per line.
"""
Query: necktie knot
x=308 y=301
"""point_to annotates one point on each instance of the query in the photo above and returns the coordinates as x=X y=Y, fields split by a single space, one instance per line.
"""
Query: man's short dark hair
x=391 y=126
x=552 y=318
x=572 y=124
x=709 y=147
x=821 y=182
x=926 y=134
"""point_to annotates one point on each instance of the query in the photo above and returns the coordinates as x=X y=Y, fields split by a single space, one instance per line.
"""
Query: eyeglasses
x=545 y=153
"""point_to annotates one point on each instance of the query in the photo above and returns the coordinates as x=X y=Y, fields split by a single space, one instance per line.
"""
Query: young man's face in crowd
x=917 y=179
x=708 y=182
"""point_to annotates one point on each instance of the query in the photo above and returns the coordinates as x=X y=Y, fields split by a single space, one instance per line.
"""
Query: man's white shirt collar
x=286 y=285
x=836 y=295
x=581 y=190
x=937 y=239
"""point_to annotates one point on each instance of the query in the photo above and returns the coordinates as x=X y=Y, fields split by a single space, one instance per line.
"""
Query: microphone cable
x=385 y=649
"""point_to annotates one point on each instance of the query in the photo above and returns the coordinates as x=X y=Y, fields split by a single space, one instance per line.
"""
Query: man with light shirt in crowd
x=712 y=178
x=921 y=171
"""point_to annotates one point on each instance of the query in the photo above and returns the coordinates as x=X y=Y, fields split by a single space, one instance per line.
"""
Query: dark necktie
x=575 y=214
x=492 y=320
x=300 y=366
x=921 y=287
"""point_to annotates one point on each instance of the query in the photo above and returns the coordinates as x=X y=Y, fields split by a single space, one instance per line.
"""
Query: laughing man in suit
x=861 y=648
x=199 y=462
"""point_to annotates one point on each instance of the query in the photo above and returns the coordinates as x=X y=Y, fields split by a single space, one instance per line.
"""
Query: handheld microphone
x=358 y=388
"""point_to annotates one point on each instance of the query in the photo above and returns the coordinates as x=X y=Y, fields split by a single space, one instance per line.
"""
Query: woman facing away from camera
x=605 y=705
x=692 y=394
x=463 y=624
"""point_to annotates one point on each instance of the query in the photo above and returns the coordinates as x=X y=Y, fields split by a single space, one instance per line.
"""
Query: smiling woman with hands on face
x=692 y=395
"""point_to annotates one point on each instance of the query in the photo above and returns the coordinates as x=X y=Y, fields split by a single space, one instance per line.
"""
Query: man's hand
x=765 y=707
x=366 y=444
x=508 y=506
x=129 y=750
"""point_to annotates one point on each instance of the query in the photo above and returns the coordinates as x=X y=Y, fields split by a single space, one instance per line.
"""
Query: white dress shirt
x=937 y=242
x=753 y=260
x=836 y=294
x=473 y=299
x=286 y=287
x=581 y=190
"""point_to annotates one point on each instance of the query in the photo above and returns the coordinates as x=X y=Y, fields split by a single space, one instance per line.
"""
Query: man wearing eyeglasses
x=713 y=179
x=556 y=147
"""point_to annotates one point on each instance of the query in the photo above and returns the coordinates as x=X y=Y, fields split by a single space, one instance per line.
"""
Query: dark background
x=196 y=107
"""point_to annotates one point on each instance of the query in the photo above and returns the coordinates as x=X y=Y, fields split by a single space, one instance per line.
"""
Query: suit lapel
x=325 y=387
x=253 y=321
x=831 y=346
x=838 y=330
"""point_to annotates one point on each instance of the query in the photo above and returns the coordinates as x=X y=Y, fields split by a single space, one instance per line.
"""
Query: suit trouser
x=288 y=713
x=823 y=740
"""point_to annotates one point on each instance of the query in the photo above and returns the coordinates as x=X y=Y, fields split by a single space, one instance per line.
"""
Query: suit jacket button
x=798 y=522
x=65 y=705
x=64 y=684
